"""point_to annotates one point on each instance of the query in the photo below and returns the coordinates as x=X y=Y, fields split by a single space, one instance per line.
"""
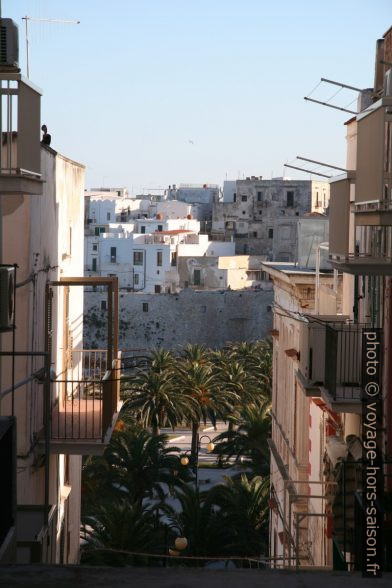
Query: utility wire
x=333 y=95
x=314 y=89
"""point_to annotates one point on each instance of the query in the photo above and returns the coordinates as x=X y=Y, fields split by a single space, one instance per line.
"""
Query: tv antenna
x=28 y=19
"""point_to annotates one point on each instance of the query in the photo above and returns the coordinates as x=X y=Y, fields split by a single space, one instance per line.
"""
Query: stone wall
x=170 y=320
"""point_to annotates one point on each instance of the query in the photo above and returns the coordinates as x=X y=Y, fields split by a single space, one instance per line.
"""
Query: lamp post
x=186 y=457
x=210 y=448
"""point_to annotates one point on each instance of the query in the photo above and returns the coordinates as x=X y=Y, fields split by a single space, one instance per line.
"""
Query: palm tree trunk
x=155 y=428
x=195 y=439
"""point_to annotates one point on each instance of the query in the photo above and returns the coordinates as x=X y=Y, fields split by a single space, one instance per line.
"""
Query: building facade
x=263 y=212
x=46 y=395
x=317 y=500
x=144 y=252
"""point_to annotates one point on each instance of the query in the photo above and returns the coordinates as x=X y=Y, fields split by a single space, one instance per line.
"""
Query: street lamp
x=180 y=542
x=210 y=448
x=185 y=460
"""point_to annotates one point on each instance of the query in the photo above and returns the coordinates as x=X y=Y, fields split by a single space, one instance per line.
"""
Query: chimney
x=379 y=68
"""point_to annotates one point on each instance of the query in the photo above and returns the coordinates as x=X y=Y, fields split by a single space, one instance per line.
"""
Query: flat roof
x=291 y=268
x=290 y=271
x=173 y=232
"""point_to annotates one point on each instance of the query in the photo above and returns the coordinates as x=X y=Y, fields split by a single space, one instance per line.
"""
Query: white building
x=144 y=254
x=103 y=207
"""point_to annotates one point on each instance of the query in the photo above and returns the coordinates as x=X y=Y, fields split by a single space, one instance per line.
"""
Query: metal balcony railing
x=88 y=399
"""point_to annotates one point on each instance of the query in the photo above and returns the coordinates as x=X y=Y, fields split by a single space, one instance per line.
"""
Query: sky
x=148 y=93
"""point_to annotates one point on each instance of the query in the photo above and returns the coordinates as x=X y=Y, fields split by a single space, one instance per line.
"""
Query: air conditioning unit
x=9 y=43
x=7 y=283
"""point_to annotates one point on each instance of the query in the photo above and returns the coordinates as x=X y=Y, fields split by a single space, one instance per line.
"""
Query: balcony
x=364 y=264
x=373 y=213
x=330 y=362
x=20 y=149
x=87 y=406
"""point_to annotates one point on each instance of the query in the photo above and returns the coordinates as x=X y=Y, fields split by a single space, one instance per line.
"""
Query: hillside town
x=189 y=374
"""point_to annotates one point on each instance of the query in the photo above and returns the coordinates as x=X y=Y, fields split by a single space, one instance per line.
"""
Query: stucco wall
x=172 y=320
x=44 y=236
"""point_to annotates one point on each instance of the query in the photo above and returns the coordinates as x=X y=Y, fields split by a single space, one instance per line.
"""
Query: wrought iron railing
x=87 y=397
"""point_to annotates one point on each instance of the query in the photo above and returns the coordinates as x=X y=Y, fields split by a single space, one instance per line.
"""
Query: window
x=99 y=230
x=103 y=305
x=159 y=258
x=145 y=306
x=108 y=216
x=270 y=233
x=244 y=198
x=138 y=258
x=94 y=264
x=160 y=228
x=136 y=279
x=243 y=212
x=259 y=196
x=157 y=288
x=113 y=254
x=143 y=229
x=234 y=197
x=196 y=277
x=174 y=258
x=95 y=247
x=255 y=233
x=290 y=198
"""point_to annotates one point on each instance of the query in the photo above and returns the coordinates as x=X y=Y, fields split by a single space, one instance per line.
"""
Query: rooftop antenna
x=30 y=18
x=341 y=87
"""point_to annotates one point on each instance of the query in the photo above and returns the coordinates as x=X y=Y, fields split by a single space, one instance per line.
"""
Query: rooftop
x=173 y=232
x=291 y=268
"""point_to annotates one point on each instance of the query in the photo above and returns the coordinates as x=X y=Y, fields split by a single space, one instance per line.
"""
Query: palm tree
x=134 y=467
x=141 y=463
x=195 y=354
x=232 y=376
x=256 y=359
x=96 y=487
x=248 y=443
x=243 y=512
x=156 y=400
x=198 y=382
x=162 y=361
x=197 y=520
x=121 y=526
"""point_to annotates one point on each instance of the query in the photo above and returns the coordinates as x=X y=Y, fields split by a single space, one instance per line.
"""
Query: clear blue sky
x=128 y=88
